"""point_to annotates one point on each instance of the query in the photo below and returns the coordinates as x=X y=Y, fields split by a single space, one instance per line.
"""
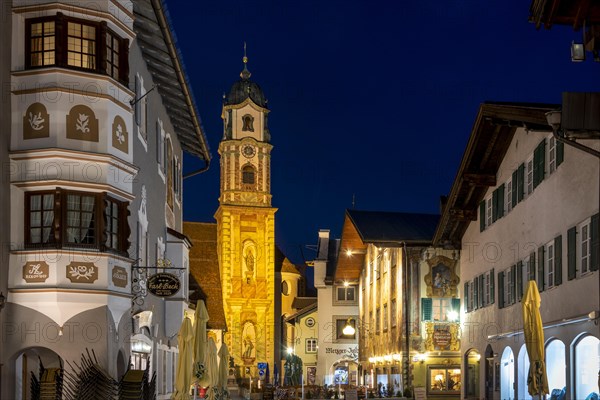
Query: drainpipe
x=406 y=312
x=199 y=171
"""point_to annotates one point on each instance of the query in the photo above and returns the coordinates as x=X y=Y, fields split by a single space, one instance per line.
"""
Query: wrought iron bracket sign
x=161 y=280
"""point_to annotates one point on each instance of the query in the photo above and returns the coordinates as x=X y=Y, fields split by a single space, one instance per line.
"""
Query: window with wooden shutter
x=501 y=289
x=520 y=183
x=482 y=216
x=540 y=269
x=515 y=187
x=466 y=296
x=426 y=309
x=455 y=305
x=549 y=265
x=492 y=288
x=481 y=291
x=495 y=202
x=558 y=260
x=572 y=253
x=595 y=244
x=539 y=163
x=531 y=266
x=519 y=280
x=476 y=292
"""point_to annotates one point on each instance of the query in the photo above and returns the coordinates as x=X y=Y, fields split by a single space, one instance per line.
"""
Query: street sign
x=262 y=365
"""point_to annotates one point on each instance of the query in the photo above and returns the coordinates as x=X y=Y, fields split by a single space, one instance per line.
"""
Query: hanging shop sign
x=163 y=284
x=119 y=276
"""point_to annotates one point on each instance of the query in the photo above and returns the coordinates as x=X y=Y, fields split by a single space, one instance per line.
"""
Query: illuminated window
x=442 y=380
x=42 y=44
x=311 y=345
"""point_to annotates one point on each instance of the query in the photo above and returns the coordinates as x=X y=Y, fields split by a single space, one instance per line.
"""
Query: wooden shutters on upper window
x=539 y=163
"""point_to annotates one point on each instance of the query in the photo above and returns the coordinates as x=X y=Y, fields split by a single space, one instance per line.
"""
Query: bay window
x=73 y=219
x=75 y=43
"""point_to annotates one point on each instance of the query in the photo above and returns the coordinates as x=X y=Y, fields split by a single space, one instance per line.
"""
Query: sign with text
x=119 y=276
x=163 y=284
x=35 y=271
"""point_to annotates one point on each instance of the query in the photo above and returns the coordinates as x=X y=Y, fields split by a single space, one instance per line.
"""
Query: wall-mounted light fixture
x=577 y=52
x=349 y=328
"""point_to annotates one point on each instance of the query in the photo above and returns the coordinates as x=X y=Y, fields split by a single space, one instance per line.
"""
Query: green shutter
x=540 y=268
x=513 y=283
x=595 y=244
x=520 y=183
x=539 y=163
x=495 y=205
x=482 y=216
x=571 y=253
x=501 y=201
x=426 y=309
x=515 y=181
x=456 y=305
x=532 y=266
x=466 y=296
x=492 y=288
x=560 y=153
x=500 y=289
x=476 y=292
x=558 y=260
x=520 y=280
x=481 y=292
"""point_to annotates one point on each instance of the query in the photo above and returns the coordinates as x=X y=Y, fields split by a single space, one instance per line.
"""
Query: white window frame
x=526 y=268
x=311 y=345
x=471 y=289
x=160 y=149
x=140 y=107
x=528 y=176
x=393 y=310
x=549 y=264
x=486 y=288
x=440 y=307
x=584 y=246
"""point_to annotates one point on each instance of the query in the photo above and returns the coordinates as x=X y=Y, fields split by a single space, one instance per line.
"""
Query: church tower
x=246 y=228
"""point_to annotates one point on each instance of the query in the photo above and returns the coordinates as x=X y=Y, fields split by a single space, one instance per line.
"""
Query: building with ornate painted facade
x=99 y=114
x=408 y=302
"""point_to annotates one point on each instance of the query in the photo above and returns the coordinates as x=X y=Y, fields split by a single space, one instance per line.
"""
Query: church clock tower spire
x=246 y=227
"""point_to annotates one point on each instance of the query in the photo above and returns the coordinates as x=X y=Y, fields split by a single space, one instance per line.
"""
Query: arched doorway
x=522 y=372
x=507 y=374
x=489 y=372
x=30 y=361
x=556 y=364
x=586 y=356
x=472 y=360
x=344 y=372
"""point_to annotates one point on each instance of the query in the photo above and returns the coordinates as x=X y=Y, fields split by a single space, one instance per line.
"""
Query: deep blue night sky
x=371 y=99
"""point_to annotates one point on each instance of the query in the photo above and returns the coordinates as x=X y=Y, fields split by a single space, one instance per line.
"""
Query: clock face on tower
x=248 y=151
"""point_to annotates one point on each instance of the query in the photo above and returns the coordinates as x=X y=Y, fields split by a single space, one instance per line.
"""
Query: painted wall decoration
x=248 y=343
x=120 y=136
x=36 y=122
x=119 y=276
x=82 y=272
x=36 y=271
x=82 y=124
x=442 y=280
x=441 y=337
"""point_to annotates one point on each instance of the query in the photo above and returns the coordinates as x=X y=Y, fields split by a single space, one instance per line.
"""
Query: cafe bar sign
x=163 y=284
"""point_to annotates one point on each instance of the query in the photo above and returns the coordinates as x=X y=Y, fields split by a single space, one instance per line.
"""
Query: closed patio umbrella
x=201 y=317
x=184 y=364
x=537 y=381
x=223 y=366
x=211 y=372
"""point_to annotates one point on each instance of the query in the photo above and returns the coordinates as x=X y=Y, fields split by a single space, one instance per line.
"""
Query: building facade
x=246 y=229
x=337 y=358
x=95 y=188
x=530 y=213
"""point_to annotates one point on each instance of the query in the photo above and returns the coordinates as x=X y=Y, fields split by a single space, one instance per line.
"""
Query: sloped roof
x=159 y=49
x=306 y=310
x=288 y=267
x=390 y=228
x=302 y=302
x=204 y=269
x=491 y=135
x=382 y=229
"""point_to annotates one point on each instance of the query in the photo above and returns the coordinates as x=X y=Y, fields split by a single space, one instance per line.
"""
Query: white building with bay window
x=95 y=187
